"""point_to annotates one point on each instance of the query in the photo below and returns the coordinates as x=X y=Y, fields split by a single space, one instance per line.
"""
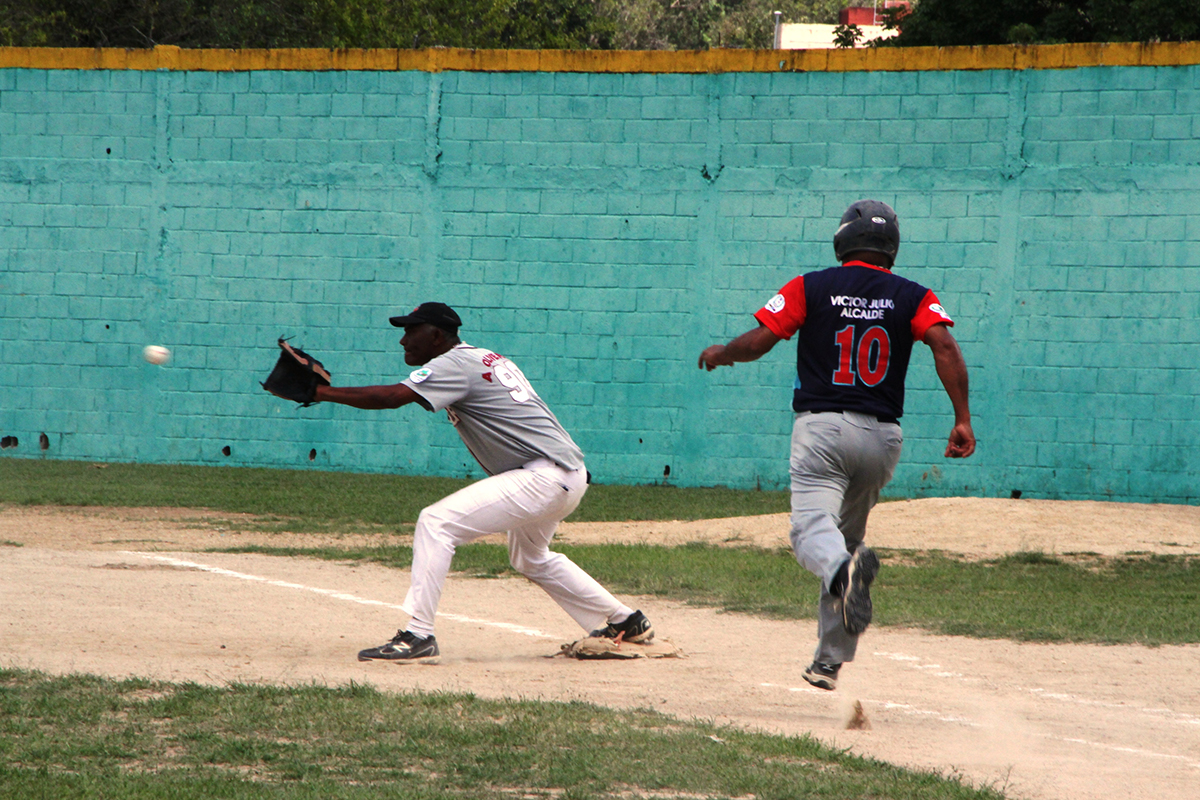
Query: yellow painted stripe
x=890 y=59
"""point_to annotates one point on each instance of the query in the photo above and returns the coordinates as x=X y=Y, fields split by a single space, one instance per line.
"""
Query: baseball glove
x=296 y=375
x=601 y=647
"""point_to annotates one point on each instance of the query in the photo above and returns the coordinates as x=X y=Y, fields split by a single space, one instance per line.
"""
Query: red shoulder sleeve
x=929 y=313
x=785 y=312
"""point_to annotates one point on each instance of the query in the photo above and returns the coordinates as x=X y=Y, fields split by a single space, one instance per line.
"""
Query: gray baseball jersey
x=499 y=416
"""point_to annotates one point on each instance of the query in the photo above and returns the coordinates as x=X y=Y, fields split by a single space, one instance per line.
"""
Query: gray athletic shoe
x=636 y=629
x=856 y=597
x=405 y=648
x=822 y=676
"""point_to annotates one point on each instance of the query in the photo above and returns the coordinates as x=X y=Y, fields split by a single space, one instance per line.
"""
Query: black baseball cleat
x=822 y=676
x=636 y=628
x=405 y=648
x=856 y=598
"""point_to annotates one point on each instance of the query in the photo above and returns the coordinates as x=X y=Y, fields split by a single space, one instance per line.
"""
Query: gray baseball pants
x=840 y=461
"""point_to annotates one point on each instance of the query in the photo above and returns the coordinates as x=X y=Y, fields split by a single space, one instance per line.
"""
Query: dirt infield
x=129 y=592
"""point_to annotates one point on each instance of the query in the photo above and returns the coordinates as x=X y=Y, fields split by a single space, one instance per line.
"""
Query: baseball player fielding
x=536 y=476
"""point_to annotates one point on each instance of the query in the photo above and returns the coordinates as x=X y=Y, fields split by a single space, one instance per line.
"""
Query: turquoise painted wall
x=599 y=229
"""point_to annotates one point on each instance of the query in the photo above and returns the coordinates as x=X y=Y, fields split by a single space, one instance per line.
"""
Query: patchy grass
x=313 y=501
x=81 y=736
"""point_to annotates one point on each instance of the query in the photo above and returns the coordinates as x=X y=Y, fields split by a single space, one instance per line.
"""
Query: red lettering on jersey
x=487 y=376
x=491 y=358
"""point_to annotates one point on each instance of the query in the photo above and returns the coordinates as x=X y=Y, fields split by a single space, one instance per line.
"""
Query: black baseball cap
x=437 y=314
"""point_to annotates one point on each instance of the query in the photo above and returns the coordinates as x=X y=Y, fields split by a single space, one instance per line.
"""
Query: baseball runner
x=856 y=325
x=536 y=476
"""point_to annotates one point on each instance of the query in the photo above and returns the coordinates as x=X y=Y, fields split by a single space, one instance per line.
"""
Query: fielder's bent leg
x=492 y=505
x=576 y=592
x=434 y=542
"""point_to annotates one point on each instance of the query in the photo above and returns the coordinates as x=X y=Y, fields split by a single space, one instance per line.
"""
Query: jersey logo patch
x=937 y=309
x=419 y=375
x=775 y=304
x=487 y=376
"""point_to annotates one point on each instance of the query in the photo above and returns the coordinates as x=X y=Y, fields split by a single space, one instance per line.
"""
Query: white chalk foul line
x=350 y=598
x=1165 y=714
x=902 y=707
x=940 y=716
x=1131 y=750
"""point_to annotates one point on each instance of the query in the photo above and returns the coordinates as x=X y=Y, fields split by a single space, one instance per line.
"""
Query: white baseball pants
x=527 y=504
x=840 y=460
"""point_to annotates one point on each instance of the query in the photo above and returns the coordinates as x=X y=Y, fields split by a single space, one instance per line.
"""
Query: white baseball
x=156 y=354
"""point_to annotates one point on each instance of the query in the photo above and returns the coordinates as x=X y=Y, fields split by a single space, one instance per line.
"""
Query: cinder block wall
x=599 y=218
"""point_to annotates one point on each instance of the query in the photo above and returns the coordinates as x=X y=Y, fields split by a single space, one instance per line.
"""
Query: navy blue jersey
x=857 y=325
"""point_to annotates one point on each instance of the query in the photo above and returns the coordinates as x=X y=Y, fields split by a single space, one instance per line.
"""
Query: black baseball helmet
x=868 y=225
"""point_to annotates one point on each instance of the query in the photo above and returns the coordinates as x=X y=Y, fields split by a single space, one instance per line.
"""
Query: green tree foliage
x=568 y=24
x=750 y=23
x=561 y=24
x=974 y=22
x=846 y=36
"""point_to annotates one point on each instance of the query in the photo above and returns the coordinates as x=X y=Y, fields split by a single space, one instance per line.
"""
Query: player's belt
x=539 y=463
x=891 y=420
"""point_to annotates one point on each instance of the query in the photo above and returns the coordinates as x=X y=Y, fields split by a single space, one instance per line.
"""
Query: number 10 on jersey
x=869 y=360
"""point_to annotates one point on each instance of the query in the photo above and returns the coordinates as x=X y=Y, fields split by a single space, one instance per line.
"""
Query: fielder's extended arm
x=369 y=397
x=952 y=370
